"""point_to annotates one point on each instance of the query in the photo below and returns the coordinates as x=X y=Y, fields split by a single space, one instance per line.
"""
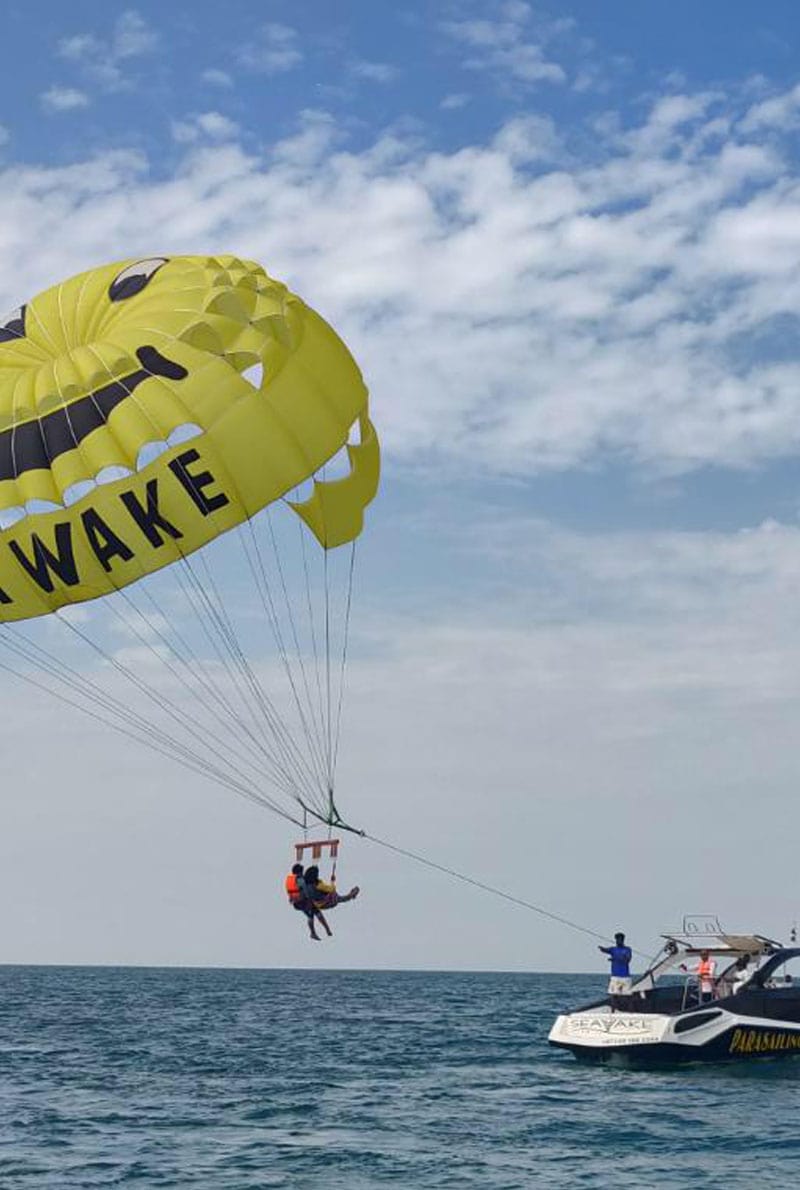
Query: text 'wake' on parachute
x=131 y=433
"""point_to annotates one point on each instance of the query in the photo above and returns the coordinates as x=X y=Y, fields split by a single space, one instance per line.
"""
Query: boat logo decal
x=609 y=1024
x=762 y=1041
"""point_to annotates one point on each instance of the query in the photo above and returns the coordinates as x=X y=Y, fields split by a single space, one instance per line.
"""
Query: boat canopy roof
x=722 y=943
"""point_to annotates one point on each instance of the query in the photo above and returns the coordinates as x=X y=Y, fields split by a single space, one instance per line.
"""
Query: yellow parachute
x=129 y=436
x=147 y=407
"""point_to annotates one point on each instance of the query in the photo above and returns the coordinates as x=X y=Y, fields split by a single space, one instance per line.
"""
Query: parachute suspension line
x=308 y=763
x=200 y=669
x=191 y=685
x=299 y=763
x=264 y=589
x=282 y=737
x=334 y=850
x=131 y=626
x=139 y=729
x=298 y=775
x=214 y=629
x=206 y=622
x=333 y=846
x=328 y=740
x=288 y=760
x=69 y=677
x=312 y=629
x=209 y=620
x=26 y=649
x=348 y=607
x=195 y=729
x=317 y=730
x=148 y=741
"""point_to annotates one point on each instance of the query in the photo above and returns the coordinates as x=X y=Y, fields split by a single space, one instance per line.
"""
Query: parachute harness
x=316 y=846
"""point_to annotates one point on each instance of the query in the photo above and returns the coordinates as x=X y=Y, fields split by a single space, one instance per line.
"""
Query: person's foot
x=314 y=937
x=354 y=891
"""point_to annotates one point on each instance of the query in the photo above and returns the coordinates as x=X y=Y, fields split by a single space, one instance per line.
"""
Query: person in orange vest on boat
x=299 y=894
x=705 y=971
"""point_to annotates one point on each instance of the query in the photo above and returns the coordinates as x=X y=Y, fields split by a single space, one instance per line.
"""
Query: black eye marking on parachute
x=32 y=445
x=134 y=278
x=44 y=562
x=13 y=325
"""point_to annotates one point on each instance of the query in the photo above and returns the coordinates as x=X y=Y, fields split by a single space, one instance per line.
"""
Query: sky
x=563 y=244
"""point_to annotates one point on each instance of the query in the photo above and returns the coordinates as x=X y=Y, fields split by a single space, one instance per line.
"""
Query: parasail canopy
x=147 y=408
x=129 y=436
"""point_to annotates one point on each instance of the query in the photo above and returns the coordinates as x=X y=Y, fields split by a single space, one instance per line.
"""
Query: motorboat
x=750 y=1009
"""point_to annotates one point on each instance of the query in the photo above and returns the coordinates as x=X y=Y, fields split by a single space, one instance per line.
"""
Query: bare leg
x=321 y=918
x=333 y=899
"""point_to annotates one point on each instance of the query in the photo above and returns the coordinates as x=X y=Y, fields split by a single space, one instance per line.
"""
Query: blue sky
x=131 y=71
x=564 y=245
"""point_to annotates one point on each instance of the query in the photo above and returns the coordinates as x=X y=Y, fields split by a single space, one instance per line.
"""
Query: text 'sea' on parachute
x=183 y=445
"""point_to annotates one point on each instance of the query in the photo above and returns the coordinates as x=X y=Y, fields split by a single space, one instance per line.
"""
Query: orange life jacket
x=705 y=970
x=292 y=887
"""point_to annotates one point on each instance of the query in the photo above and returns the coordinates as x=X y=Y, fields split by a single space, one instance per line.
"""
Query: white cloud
x=217 y=78
x=504 y=46
x=102 y=59
x=515 y=307
x=374 y=72
x=79 y=47
x=454 y=101
x=273 y=49
x=63 y=99
x=779 y=111
x=212 y=125
x=132 y=36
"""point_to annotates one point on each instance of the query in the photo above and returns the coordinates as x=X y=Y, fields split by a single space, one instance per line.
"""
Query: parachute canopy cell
x=131 y=432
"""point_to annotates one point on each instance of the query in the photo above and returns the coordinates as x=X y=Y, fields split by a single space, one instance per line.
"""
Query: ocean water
x=240 y=1079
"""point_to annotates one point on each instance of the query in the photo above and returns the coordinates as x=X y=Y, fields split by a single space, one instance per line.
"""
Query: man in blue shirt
x=619 y=985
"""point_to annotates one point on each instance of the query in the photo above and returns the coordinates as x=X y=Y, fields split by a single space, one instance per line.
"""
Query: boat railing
x=691 y=992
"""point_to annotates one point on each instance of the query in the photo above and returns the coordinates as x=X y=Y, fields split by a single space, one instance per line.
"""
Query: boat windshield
x=785 y=974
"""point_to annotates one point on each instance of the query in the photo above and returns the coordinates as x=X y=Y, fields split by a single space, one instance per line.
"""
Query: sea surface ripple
x=230 y=1080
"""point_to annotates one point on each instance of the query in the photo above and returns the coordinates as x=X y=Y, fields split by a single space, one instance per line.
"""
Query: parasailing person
x=305 y=889
x=183 y=442
x=324 y=894
x=300 y=898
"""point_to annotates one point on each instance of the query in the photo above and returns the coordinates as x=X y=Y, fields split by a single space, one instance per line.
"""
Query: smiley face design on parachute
x=117 y=381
